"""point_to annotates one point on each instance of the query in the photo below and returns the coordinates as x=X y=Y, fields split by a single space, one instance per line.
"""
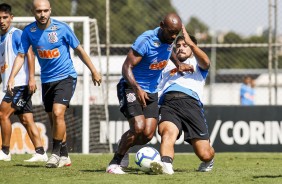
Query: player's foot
x=38 y=158
x=64 y=161
x=206 y=166
x=125 y=160
x=157 y=167
x=115 y=169
x=5 y=157
x=162 y=168
x=53 y=161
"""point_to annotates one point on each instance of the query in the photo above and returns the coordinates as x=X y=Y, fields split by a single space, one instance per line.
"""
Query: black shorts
x=130 y=106
x=21 y=100
x=58 y=92
x=187 y=114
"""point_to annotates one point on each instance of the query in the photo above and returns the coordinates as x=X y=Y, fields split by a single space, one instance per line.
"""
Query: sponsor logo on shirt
x=48 y=54
x=157 y=44
x=32 y=29
x=52 y=37
x=54 y=28
x=158 y=65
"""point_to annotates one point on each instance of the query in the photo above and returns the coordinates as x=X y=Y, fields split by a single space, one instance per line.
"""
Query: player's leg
x=136 y=128
x=205 y=153
x=58 y=132
x=169 y=133
x=64 y=157
x=32 y=130
x=60 y=94
x=6 y=129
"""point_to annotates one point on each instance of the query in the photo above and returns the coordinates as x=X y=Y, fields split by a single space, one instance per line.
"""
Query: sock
x=64 y=150
x=117 y=159
x=39 y=150
x=167 y=159
x=57 y=144
x=6 y=149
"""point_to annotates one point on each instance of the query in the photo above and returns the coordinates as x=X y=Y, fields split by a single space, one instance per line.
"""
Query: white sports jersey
x=7 y=58
x=193 y=82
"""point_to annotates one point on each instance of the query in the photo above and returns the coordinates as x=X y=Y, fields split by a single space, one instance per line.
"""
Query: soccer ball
x=145 y=156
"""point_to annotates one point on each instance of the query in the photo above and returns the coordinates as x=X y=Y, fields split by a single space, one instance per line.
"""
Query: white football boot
x=64 y=161
x=53 y=161
x=5 y=157
x=159 y=167
x=38 y=158
x=115 y=169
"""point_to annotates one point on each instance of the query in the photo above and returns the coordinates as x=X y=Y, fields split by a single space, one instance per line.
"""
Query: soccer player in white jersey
x=181 y=106
x=19 y=103
x=51 y=41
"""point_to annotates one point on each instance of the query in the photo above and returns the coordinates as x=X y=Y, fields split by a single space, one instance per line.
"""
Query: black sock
x=57 y=144
x=6 y=149
x=39 y=150
x=64 y=150
x=167 y=159
x=117 y=159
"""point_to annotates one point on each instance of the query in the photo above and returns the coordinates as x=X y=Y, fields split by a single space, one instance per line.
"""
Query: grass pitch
x=229 y=168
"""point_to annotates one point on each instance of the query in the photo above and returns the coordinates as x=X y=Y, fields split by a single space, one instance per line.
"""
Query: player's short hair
x=4 y=7
x=182 y=38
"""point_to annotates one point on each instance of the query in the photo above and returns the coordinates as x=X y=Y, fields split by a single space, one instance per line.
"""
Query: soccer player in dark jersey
x=50 y=40
x=137 y=90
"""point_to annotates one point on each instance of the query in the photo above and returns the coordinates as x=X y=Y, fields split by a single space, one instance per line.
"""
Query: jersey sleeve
x=141 y=45
x=71 y=38
x=25 y=43
x=17 y=44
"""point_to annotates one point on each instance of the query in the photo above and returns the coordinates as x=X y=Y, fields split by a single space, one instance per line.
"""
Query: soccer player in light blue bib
x=50 y=40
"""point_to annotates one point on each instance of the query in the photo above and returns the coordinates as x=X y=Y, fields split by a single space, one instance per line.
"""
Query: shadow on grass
x=267 y=176
x=129 y=170
x=28 y=166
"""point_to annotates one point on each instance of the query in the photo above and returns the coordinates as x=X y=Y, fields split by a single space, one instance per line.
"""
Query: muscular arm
x=96 y=77
x=132 y=59
x=31 y=68
x=201 y=56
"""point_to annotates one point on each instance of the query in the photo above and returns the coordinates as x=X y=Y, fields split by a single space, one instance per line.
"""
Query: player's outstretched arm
x=18 y=63
x=132 y=59
x=31 y=69
x=202 y=58
x=96 y=77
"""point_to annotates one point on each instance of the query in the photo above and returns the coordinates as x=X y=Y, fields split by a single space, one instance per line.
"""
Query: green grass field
x=229 y=168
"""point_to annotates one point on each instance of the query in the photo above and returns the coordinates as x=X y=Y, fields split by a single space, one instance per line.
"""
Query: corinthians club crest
x=52 y=37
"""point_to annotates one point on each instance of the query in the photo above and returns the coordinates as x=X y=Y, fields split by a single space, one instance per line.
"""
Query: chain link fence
x=234 y=34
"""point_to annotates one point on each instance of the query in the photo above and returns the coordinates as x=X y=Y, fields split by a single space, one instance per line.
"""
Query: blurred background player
x=20 y=102
x=51 y=39
x=247 y=91
x=181 y=107
x=137 y=90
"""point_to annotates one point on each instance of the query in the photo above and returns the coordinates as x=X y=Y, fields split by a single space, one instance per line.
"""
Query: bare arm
x=96 y=77
x=132 y=59
x=31 y=69
x=201 y=56
x=18 y=63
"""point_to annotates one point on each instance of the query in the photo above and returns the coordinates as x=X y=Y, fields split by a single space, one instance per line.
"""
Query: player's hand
x=32 y=86
x=187 y=38
x=10 y=86
x=142 y=97
x=97 y=79
x=184 y=67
